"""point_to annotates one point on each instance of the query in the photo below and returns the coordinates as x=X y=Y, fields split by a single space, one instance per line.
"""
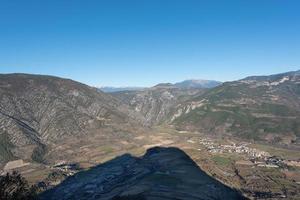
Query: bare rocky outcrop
x=155 y=104
x=162 y=173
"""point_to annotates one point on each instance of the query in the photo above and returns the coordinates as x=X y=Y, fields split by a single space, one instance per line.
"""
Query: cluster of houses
x=241 y=148
x=68 y=168
x=256 y=157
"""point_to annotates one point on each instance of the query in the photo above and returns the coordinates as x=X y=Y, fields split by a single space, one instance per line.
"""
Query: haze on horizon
x=143 y=43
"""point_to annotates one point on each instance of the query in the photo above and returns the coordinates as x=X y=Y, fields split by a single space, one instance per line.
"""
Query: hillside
x=261 y=108
x=162 y=173
x=36 y=111
x=156 y=103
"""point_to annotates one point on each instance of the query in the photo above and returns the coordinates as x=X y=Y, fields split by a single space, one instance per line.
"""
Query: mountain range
x=45 y=120
x=187 y=84
x=260 y=108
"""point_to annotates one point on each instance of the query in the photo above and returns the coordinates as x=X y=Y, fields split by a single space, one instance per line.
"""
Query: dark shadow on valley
x=161 y=174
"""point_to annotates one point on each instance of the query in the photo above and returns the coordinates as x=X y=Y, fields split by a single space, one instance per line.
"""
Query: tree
x=15 y=187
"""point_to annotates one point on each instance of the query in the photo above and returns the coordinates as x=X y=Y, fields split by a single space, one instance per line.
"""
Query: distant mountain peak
x=108 y=89
x=198 y=83
x=190 y=84
x=163 y=85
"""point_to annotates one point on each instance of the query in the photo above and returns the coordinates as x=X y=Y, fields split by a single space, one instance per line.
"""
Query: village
x=255 y=157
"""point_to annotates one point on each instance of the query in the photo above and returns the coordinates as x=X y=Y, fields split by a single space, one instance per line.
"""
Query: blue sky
x=145 y=42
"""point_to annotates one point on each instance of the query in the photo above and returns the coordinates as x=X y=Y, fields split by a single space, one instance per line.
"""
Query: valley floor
x=259 y=171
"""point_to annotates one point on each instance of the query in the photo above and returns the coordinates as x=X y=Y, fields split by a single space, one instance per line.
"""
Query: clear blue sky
x=144 y=42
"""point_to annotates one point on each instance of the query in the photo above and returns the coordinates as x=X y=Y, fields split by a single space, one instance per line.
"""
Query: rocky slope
x=156 y=103
x=38 y=110
x=161 y=174
x=261 y=108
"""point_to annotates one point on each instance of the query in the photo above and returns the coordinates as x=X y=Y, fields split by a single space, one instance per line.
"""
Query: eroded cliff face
x=38 y=110
x=162 y=173
x=156 y=103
